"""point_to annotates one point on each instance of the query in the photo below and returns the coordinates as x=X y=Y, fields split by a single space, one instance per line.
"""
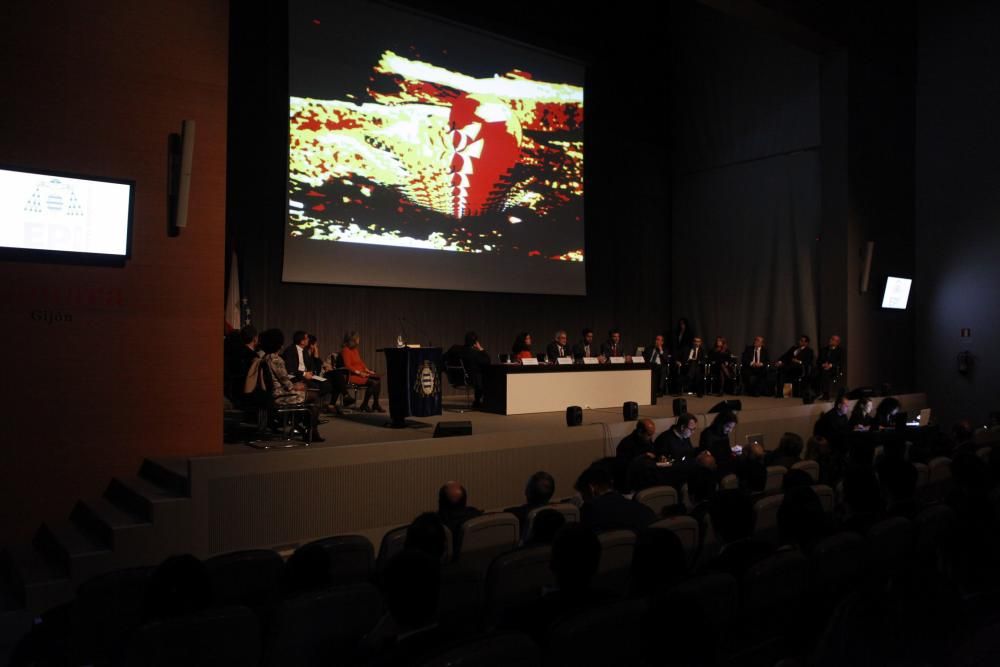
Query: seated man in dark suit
x=675 y=443
x=475 y=359
x=732 y=519
x=794 y=365
x=755 y=364
x=658 y=356
x=238 y=359
x=690 y=364
x=454 y=510
x=558 y=349
x=537 y=493
x=606 y=509
x=835 y=426
x=299 y=363
x=613 y=347
x=831 y=366
x=586 y=347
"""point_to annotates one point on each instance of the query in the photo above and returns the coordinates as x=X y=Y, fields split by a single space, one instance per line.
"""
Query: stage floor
x=359 y=428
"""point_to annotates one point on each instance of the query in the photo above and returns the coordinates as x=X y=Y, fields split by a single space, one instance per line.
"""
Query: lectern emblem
x=428 y=382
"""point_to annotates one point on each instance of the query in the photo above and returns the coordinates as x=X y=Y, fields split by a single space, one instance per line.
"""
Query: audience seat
x=460 y=603
x=773 y=591
x=938 y=479
x=657 y=497
x=775 y=478
x=487 y=536
x=581 y=639
x=765 y=513
x=617 y=547
x=836 y=563
x=891 y=543
x=729 y=482
x=826 y=497
x=394 y=541
x=352 y=557
x=933 y=527
x=811 y=467
x=223 y=636
x=250 y=578
x=107 y=608
x=984 y=453
x=686 y=530
x=516 y=577
x=923 y=474
x=569 y=511
x=717 y=593
x=321 y=627
x=502 y=650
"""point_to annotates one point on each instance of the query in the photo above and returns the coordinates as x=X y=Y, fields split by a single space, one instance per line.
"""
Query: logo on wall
x=428 y=382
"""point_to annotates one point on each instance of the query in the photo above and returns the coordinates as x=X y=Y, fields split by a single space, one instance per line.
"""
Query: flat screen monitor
x=56 y=216
x=897 y=293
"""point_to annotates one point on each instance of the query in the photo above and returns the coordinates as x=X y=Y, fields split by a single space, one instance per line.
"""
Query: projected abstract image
x=426 y=156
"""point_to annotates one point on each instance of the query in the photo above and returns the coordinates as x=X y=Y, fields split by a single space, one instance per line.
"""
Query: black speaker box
x=449 y=429
x=733 y=404
x=680 y=406
x=574 y=415
x=630 y=411
x=808 y=396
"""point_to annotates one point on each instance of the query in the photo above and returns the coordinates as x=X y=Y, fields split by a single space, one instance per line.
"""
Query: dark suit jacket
x=831 y=356
x=682 y=355
x=652 y=354
x=613 y=511
x=291 y=359
x=578 y=352
x=672 y=446
x=716 y=442
x=805 y=356
x=552 y=351
x=748 y=357
x=632 y=446
x=609 y=349
x=474 y=360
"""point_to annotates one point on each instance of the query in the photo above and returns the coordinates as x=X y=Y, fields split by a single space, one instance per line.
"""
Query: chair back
x=250 y=578
x=775 y=478
x=765 y=513
x=686 y=530
x=352 y=557
x=617 y=547
x=718 y=594
x=320 y=627
x=106 y=609
x=221 y=636
x=394 y=541
x=487 y=536
x=657 y=497
x=891 y=541
x=506 y=650
x=729 y=482
x=837 y=562
x=773 y=587
x=826 y=497
x=811 y=467
x=923 y=474
x=456 y=374
x=984 y=452
x=933 y=526
x=569 y=511
x=581 y=638
x=516 y=577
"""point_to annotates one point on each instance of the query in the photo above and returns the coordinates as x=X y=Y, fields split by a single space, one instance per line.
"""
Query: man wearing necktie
x=557 y=349
x=612 y=347
x=658 y=357
x=585 y=348
x=755 y=363
x=690 y=364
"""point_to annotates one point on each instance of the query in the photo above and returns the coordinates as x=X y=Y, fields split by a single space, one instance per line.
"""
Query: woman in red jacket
x=361 y=374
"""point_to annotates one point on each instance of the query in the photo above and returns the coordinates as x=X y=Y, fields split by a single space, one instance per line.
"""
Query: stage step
x=80 y=552
x=142 y=498
x=169 y=473
x=128 y=535
x=35 y=581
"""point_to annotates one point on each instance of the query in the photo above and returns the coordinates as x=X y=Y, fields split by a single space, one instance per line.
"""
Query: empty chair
x=686 y=530
x=826 y=497
x=617 y=547
x=487 y=536
x=837 y=562
x=570 y=512
x=320 y=627
x=503 y=650
x=775 y=476
x=581 y=639
x=516 y=577
x=352 y=557
x=765 y=511
x=106 y=609
x=657 y=497
x=729 y=482
x=890 y=542
x=811 y=467
x=223 y=636
x=249 y=578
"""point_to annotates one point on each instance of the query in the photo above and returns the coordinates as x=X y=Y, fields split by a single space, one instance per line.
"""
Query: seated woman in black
x=715 y=439
x=861 y=416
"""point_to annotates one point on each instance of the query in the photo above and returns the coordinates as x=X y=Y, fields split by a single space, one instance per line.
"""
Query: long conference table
x=513 y=389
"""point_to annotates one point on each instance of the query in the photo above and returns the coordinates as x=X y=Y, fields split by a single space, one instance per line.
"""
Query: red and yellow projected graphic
x=431 y=158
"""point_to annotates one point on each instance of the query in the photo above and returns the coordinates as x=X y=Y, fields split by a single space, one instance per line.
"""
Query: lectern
x=414 y=382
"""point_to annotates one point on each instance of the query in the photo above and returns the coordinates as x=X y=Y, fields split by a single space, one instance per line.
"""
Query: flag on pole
x=233 y=320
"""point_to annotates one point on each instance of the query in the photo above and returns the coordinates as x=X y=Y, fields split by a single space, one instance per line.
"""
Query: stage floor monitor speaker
x=574 y=415
x=630 y=411
x=449 y=429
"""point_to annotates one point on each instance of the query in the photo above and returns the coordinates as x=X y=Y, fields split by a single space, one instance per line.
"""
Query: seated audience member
x=606 y=509
x=963 y=438
x=755 y=365
x=801 y=519
x=411 y=589
x=715 y=438
x=426 y=534
x=732 y=521
x=722 y=359
x=474 y=359
x=658 y=562
x=521 y=349
x=885 y=414
x=613 y=347
x=831 y=465
x=702 y=487
x=283 y=390
x=558 y=348
x=241 y=351
x=360 y=373
x=637 y=443
x=179 y=586
x=861 y=416
x=752 y=470
x=862 y=500
x=834 y=426
x=830 y=365
x=795 y=479
x=675 y=442
x=658 y=357
x=544 y=528
x=586 y=346
x=794 y=364
x=306 y=570
x=454 y=510
x=336 y=379
x=788 y=453
x=690 y=364
x=537 y=493
x=898 y=479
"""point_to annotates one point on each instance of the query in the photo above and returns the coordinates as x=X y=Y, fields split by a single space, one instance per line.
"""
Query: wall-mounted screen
x=897 y=293
x=51 y=216
x=426 y=154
